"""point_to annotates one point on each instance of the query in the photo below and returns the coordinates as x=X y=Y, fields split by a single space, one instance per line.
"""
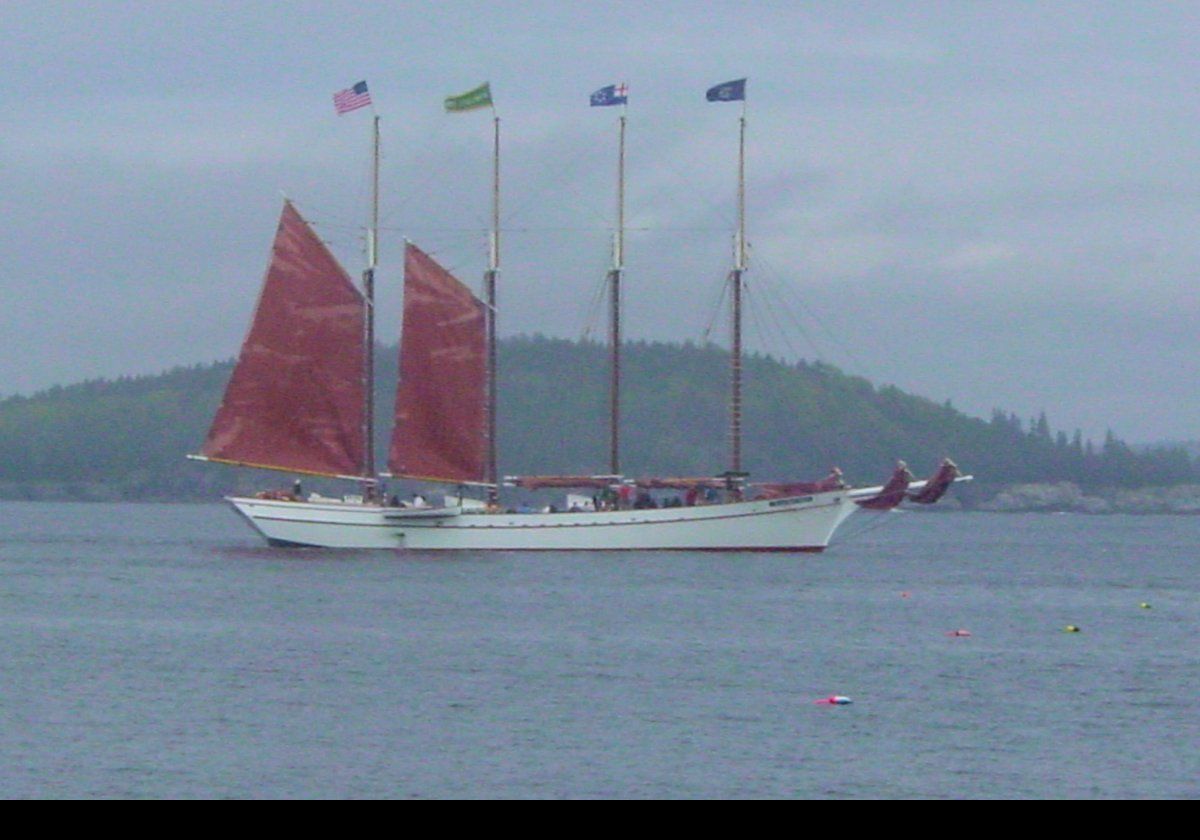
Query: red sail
x=440 y=430
x=295 y=400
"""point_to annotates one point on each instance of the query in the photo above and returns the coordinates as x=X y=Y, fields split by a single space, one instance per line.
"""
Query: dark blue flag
x=727 y=92
x=611 y=95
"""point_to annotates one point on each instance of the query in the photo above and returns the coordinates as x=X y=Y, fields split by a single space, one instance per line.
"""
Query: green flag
x=480 y=97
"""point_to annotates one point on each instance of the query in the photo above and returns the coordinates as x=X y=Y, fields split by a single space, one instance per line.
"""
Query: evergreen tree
x=127 y=438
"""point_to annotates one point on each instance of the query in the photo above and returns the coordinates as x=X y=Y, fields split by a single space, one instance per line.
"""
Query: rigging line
x=670 y=229
x=400 y=228
x=610 y=229
x=317 y=217
x=830 y=334
x=885 y=519
x=756 y=326
x=773 y=285
x=716 y=311
x=475 y=230
x=792 y=348
x=432 y=133
x=783 y=286
x=765 y=298
x=337 y=237
x=318 y=221
x=698 y=227
x=595 y=307
x=562 y=230
x=783 y=310
x=591 y=312
x=765 y=320
x=556 y=181
x=676 y=170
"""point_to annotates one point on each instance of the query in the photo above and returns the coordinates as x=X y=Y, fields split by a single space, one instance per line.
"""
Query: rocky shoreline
x=1070 y=498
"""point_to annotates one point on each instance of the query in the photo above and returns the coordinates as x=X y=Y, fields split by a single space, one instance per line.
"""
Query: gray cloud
x=991 y=203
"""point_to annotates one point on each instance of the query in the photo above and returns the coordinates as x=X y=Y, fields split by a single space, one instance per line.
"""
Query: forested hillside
x=128 y=438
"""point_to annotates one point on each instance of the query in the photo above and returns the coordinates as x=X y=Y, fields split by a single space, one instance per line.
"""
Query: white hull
x=803 y=523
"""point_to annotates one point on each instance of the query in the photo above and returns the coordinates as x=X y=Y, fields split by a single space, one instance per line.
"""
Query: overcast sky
x=992 y=203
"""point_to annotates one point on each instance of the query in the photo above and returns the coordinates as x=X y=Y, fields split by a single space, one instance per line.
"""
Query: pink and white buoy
x=834 y=700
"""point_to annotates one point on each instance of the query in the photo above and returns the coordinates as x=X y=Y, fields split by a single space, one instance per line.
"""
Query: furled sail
x=937 y=485
x=295 y=400
x=441 y=407
x=893 y=492
x=779 y=490
x=574 y=482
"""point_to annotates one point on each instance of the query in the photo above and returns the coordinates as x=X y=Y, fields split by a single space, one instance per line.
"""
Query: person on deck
x=644 y=501
x=624 y=497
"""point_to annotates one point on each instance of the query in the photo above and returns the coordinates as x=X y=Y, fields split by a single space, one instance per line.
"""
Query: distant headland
x=126 y=439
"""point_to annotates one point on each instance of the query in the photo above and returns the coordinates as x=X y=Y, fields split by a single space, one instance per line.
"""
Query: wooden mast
x=490 y=291
x=614 y=337
x=481 y=97
x=735 y=278
x=369 y=322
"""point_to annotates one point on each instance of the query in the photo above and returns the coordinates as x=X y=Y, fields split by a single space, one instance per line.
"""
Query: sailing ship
x=300 y=401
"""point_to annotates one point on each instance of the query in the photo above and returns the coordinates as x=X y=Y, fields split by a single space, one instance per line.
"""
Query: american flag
x=352 y=98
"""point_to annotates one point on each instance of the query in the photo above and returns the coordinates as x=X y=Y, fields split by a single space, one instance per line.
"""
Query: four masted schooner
x=300 y=401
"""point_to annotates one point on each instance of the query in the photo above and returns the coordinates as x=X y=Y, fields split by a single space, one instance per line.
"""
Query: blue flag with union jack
x=611 y=95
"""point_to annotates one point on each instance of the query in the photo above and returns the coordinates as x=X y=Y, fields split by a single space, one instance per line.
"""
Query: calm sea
x=161 y=651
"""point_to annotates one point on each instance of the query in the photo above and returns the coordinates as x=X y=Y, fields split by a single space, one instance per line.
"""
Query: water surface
x=162 y=651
